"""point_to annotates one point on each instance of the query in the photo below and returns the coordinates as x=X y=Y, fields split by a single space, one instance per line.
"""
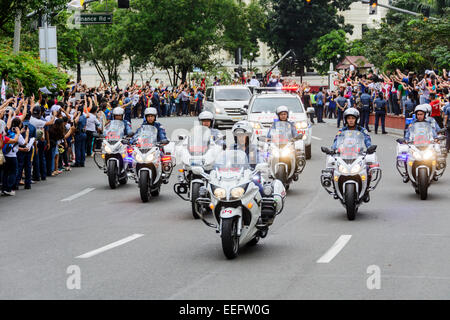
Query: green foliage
x=30 y=71
x=330 y=46
x=292 y=24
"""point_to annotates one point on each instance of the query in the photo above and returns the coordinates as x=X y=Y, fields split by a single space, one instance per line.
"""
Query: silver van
x=226 y=102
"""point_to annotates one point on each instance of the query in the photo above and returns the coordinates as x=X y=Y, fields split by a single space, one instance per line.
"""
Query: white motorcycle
x=417 y=159
x=116 y=154
x=151 y=170
x=242 y=215
x=286 y=155
x=351 y=171
x=196 y=150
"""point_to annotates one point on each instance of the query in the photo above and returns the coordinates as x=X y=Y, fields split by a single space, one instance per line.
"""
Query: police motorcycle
x=116 y=154
x=198 y=149
x=284 y=153
x=417 y=158
x=241 y=213
x=152 y=167
x=351 y=171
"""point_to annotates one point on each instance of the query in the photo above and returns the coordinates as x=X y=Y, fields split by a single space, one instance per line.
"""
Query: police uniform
x=293 y=128
x=366 y=100
x=161 y=131
x=367 y=139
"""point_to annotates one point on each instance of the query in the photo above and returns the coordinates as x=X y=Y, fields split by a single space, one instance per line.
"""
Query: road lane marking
x=79 y=194
x=317 y=138
x=335 y=249
x=109 y=246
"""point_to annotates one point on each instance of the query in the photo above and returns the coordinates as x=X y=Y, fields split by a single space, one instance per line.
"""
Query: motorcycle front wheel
x=112 y=174
x=194 y=196
x=350 y=201
x=230 y=239
x=144 y=186
x=422 y=183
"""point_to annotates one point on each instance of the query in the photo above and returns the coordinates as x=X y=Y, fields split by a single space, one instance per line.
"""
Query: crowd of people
x=45 y=136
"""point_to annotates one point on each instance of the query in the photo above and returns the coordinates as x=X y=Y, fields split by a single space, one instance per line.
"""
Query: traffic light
x=124 y=4
x=373 y=6
x=308 y=3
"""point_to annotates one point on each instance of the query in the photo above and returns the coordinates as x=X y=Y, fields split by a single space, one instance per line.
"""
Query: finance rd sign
x=93 y=18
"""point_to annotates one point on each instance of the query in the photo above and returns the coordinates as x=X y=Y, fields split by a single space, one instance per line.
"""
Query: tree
x=331 y=46
x=294 y=24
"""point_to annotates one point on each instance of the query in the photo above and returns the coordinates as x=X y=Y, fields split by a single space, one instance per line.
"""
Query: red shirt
x=3 y=139
x=436 y=110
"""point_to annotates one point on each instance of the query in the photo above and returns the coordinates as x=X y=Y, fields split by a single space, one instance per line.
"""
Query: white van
x=226 y=102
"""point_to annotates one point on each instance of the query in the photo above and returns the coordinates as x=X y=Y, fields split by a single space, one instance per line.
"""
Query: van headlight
x=220 y=193
x=256 y=125
x=218 y=110
x=237 y=192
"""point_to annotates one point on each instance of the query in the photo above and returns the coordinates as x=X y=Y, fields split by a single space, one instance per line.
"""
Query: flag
x=3 y=90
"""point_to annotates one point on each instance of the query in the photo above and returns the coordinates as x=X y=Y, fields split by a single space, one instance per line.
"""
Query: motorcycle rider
x=206 y=118
x=283 y=115
x=118 y=113
x=150 y=115
x=351 y=116
x=421 y=116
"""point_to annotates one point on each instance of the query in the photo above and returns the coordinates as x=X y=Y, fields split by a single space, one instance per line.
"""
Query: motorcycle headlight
x=343 y=169
x=108 y=148
x=237 y=192
x=301 y=125
x=286 y=152
x=149 y=157
x=220 y=193
x=417 y=155
x=275 y=152
x=356 y=168
x=139 y=157
x=428 y=155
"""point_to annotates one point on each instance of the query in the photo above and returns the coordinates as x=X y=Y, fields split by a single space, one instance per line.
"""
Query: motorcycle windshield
x=229 y=163
x=281 y=133
x=421 y=134
x=147 y=137
x=199 y=140
x=114 y=131
x=350 y=144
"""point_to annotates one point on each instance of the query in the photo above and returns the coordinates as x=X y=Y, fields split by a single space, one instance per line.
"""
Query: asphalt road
x=166 y=254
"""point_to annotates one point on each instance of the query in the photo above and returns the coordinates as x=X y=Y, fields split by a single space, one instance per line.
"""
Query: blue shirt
x=380 y=105
x=293 y=128
x=31 y=128
x=366 y=100
x=332 y=104
x=81 y=125
x=367 y=139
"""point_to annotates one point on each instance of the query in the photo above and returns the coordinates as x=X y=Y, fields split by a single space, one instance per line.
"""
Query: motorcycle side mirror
x=401 y=140
x=371 y=149
x=243 y=111
x=325 y=150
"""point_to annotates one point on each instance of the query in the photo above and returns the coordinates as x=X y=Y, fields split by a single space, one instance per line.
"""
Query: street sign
x=93 y=18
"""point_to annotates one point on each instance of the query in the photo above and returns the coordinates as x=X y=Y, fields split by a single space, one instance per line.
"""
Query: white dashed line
x=109 y=246
x=79 y=194
x=335 y=249
x=316 y=138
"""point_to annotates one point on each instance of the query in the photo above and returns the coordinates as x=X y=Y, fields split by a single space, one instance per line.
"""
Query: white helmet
x=351 y=112
x=429 y=108
x=118 y=111
x=150 y=111
x=242 y=128
x=206 y=115
x=421 y=107
x=281 y=109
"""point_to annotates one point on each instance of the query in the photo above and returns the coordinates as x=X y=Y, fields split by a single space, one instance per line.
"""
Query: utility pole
x=17 y=30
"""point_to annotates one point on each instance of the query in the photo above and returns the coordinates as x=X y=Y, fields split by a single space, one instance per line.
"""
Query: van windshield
x=271 y=105
x=233 y=94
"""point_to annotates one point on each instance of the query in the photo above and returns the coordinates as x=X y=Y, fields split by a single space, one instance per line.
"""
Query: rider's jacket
x=367 y=139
